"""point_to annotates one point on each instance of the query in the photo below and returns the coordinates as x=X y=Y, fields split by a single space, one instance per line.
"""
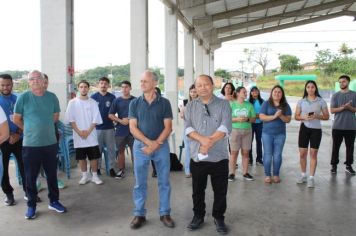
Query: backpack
x=175 y=163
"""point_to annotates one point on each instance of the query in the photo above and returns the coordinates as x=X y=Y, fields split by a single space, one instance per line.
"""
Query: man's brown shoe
x=167 y=221
x=137 y=222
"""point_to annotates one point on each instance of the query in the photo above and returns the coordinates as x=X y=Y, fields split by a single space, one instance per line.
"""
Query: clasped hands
x=84 y=134
x=205 y=144
x=347 y=106
x=151 y=146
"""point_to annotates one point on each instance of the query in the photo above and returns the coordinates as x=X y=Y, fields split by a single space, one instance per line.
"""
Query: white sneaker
x=311 y=183
x=96 y=180
x=302 y=179
x=85 y=179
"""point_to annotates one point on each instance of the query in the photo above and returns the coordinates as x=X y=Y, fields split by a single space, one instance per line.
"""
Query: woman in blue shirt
x=256 y=100
x=274 y=113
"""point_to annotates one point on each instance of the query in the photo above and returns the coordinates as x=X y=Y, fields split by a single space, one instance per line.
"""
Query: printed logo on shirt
x=243 y=112
x=107 y=103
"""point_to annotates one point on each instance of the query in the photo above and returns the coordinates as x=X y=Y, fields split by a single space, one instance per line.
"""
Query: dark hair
x=316 y=89
x=191 y=88
x=158 y=90
x=6 y=76
x=251 y=100
x=126 y=82
x=104 y=79
x=345 y=77
x=283 y=103
x=45 y=76
x=83 y=82
x=223 y=88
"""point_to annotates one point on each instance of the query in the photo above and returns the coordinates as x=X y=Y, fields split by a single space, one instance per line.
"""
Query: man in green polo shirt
x=35 y=113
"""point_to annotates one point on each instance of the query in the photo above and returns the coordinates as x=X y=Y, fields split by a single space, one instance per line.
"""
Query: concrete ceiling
x=216 y=21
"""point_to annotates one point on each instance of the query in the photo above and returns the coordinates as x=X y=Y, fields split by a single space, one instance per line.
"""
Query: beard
x=343 y=87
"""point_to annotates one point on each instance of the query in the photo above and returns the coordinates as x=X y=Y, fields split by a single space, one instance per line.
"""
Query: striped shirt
x=206 y=120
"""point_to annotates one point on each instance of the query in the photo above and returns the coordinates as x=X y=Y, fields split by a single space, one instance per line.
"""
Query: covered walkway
x=254 y=208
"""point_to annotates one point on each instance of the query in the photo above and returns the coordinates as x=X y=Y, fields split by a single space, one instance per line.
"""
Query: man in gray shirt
x=208 y=125
x=343 y=105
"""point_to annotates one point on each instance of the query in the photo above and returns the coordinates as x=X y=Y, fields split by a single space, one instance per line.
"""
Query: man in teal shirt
x=35 y=113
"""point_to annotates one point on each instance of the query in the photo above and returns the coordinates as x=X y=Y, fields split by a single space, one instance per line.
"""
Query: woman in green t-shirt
x=243 y=114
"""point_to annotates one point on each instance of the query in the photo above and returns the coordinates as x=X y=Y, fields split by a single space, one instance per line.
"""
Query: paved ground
x=254 y=208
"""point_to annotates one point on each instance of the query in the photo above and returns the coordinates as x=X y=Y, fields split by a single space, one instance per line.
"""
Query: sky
x=102 y=37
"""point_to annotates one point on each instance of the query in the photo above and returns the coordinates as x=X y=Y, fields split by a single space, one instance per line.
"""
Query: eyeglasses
x=34 y=78
x=206 y=110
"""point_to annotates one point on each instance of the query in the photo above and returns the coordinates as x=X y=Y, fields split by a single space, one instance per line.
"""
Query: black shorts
x=309 y=135
x=91 y=152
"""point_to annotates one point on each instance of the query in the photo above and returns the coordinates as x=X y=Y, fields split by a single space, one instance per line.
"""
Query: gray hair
x=153 y=74
x=37 y=72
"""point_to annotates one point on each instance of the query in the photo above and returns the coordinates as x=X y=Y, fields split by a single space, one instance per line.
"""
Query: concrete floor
x=254 y=208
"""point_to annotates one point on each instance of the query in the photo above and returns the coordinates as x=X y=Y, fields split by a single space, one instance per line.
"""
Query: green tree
x=345 y=50
x=289 y=63
x=223 y=74
x=324 y=58
x=180 y=72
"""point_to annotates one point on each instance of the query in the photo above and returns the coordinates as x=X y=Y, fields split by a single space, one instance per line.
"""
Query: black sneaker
x=350 y=170
x=231 y=178
x=9 y=200
x=333 y=169
x=99 y=172
x=120 y=174
x=112 y=173
x=220 y=226
x=196 y=223
x=247 y=176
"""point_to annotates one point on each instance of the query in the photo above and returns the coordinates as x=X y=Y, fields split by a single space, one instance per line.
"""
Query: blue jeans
x=257 y=133
x=273 y=148
x=186 y=155
x=161 y=160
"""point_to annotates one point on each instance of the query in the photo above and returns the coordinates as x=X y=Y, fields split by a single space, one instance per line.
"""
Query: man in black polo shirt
x=150 y=120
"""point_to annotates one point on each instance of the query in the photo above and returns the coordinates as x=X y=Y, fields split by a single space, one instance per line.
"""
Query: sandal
x=268 y=180
x=276 y=179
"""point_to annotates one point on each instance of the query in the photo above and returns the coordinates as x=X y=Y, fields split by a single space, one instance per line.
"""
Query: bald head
x=204 y=86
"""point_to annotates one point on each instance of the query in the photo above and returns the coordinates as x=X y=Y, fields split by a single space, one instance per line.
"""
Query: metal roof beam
x=285 y=26
x=295 y=13
x=184 y=4
x=252 y=8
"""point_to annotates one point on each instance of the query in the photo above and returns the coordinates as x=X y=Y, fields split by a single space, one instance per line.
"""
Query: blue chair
x=66 y=147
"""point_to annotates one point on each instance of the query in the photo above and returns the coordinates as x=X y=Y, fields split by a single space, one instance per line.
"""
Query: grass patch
x=296 y=88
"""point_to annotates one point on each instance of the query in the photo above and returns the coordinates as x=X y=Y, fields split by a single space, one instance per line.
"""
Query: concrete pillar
x=212 y=69
x=188 y=61
x=206 y=62
x=171 y=60
x=198 y=50
x=139 y=43
x=57 y=57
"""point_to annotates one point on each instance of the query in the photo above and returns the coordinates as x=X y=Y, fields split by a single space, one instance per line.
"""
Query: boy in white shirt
x=83 y=115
